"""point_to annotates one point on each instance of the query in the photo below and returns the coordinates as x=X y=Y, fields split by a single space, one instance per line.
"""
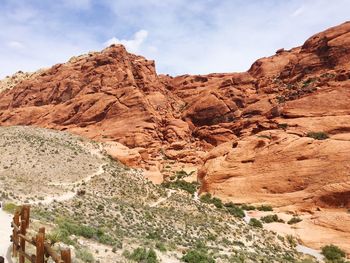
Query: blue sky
x=196 y=37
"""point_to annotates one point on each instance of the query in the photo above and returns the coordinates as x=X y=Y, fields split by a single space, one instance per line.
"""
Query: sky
x=182 y=36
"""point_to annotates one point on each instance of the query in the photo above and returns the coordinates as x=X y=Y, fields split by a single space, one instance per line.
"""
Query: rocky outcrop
x=254 y=135
x=257 y=120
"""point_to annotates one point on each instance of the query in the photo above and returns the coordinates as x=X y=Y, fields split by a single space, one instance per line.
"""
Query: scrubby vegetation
x=85 y=255
x=265 y=208
x=10 y=208
x=247 y=207
x=271 y=218
x=234 y=210
x=182 y=184
x=119 y=210
x=318 y=135
x=255 y=223
x=333 y=253
x=142 y=255
x=294 y=220
x=207 y=198
x=198 y=255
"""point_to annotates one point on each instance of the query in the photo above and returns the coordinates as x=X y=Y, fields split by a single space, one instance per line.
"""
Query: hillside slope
x=103 y=209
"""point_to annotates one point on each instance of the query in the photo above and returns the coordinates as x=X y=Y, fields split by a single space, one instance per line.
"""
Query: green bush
x=217 y=202
x=308 y=82
x=294 y=220
x=318 y=135
x=181 y=184
x=332 y=252
x=182 y=174
x=66 y=227
x=60 y=235
x=291 y=240
x=197 y=256
x=234 y=210
x=206 y=198
x=271 y=218
x=265 y=208
x=209 y=200
x=156 y=235
x=248 y=207
x=85 y=255
x=255 y=223
x=143 y=255
x=160 y=246
x=10 y=208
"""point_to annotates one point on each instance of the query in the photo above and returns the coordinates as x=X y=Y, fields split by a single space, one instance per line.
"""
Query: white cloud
x=15 y=44
x=298 y=11
x=132 y=45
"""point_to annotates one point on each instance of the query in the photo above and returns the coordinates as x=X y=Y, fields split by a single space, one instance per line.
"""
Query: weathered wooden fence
x=19 y=239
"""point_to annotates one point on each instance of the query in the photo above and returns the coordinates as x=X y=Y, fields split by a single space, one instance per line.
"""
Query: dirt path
x=5 y=233
x=72 y=193
x=163 y=199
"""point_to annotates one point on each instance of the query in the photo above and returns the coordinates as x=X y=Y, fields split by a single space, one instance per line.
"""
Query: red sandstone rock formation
x=257 y=120
x=247 y=130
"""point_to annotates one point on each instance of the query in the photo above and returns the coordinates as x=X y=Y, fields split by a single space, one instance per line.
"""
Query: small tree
x=255 y=223
x=332 y=252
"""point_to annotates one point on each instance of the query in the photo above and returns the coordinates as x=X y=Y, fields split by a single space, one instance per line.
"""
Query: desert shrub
x=248 y=207
x=160 y=246
x=234 y=210
x=217 y=202
x=206 y=198
x=294 y=220
x=291 y=240
x=318 y=135
x=60 y=235
x=209 y=200
x=265 y=208
x=332 y=252
x=281 y=99
x=143 y=255
x=255 y=223
x=106 y=239
x=282 y=125
x=197 y=256
x=10 y=208
x=66 y=227
x=271 y=219
x=85 y=255
x=308 y=82
x=182 y=174
x=181 y=184
x=155 y=235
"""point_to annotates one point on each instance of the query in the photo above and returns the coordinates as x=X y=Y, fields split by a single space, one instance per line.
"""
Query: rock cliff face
x=247 y=132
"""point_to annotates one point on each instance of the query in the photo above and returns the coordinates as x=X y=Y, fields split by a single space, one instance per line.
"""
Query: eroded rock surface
x=247 y=132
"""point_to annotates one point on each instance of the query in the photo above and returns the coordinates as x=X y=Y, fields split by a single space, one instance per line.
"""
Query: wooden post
x=15 y=234
x=40 y=249
x=26 y=214
x=66 y=256
x=22 y=242
x=42 y=230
